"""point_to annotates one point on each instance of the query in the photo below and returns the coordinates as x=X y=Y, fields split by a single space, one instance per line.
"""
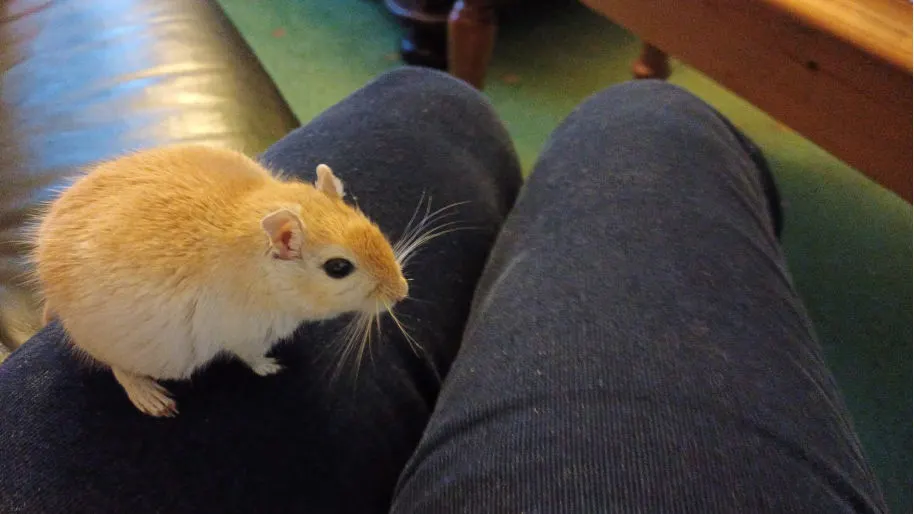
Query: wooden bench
x=838 y=72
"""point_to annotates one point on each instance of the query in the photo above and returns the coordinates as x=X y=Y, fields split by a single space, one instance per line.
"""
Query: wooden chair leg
x=471 y=40
x=653 y=63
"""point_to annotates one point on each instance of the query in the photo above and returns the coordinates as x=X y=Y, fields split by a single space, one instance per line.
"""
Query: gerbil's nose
x=402 y=289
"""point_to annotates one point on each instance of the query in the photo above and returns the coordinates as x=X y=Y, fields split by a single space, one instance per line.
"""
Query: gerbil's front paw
x=147 y=395
x=266 y=366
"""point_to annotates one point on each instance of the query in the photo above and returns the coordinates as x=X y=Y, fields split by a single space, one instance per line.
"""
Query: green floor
x=848 y=241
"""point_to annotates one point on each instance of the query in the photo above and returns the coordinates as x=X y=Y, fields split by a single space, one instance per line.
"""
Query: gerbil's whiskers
x=425 y=229
x=407 y=231
x=377 y=319
x=356 y=342
x=357 y=337
x=413 y=344
x=409 y=339
x=366 y=341
x=353 y=332
x=423 y=226
x=411 y=232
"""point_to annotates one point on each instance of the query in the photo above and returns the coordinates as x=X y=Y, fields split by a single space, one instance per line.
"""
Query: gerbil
x=157 y=261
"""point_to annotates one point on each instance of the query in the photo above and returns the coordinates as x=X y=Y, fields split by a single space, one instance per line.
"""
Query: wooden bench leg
x=653 y=63
x=471 y=40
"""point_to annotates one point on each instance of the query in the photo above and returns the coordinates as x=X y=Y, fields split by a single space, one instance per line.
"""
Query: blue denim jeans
x=618 y=334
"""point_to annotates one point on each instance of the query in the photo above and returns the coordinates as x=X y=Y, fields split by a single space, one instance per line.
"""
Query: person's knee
x=645 y=129
x=643 y=113
x=428 y=90
x=650 y=89
x=443 y=109
x=426 y=78
x=648 y=97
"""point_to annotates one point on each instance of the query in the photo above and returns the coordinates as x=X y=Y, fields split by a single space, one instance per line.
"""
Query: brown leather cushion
x=87 y=80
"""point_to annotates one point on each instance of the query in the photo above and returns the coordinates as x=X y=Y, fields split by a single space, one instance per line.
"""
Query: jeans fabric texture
x=618 y=334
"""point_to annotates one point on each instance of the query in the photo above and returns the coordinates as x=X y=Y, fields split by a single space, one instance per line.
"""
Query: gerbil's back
x=153 y=213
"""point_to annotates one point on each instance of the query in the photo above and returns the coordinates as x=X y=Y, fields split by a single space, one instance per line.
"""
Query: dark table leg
x=425 y=22
x=471 y=40
x=653 y=63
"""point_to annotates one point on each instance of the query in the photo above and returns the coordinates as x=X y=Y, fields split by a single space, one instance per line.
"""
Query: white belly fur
x=171 y=335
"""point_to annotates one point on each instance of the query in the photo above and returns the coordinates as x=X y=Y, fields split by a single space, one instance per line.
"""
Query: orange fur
x=158 y=260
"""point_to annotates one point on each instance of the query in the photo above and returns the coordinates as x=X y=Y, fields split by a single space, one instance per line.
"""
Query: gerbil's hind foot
x=264 y=366
x=47 y=314
x=146 y=394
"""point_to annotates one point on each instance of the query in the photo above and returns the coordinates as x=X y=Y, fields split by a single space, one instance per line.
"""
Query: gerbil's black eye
x=338 y=268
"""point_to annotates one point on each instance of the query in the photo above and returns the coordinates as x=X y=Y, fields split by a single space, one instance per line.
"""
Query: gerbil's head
x=329 y=256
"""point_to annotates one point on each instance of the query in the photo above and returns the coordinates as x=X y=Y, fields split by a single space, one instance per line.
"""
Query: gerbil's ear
x=327 y=182
x=286 y=232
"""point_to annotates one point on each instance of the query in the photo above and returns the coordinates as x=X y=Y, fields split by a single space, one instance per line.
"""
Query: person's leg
x=635 y=343
x=298 y=441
